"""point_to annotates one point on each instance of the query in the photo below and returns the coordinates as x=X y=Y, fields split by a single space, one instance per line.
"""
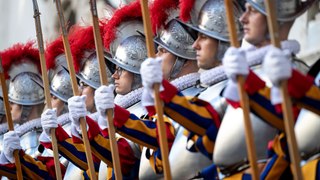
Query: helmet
x=60 y=85
x=212 y=20
x=287 y=10
x=90 y=72
x=21 y=62
x=118 y=3
x=84 y=56
x=125 y=30
x=172 y=36
x=131 y=53
x=177 y=40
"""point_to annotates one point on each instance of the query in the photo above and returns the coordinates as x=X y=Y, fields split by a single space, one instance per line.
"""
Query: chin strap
x=176 y=68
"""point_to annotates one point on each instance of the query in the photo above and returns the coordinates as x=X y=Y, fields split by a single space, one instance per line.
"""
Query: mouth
x=245 y=30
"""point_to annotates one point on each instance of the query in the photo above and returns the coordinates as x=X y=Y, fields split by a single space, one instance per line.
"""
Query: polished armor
x=130 y=54
x=177 y=40
x=90 y=71
x=22 y=90
x=287 y=10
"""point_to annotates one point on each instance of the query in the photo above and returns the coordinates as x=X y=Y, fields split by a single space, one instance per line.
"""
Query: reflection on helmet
x=24 y=91
x=177 y=40
x=131 y=53
x=90 y=72
x=213 y=21
x=287 y=10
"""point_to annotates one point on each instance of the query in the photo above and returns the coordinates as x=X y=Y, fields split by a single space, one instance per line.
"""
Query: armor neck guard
x=28 y=126
x=254 y=57
x=133 y=97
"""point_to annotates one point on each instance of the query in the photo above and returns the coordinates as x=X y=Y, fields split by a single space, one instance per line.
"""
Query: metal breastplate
x=230 y=153
x=30 y=142
x=307 y=131
x=73 y=172
x=29 y=133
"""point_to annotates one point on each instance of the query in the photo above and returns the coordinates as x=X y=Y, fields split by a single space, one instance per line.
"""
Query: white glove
x=11 y=142
x=104 y=99
x=147 y=98
x=231 y=91
x=49 y=120
x=151 y=72
x=235 y=63
x=77 y=109
x=275 y=96
x=277 y=65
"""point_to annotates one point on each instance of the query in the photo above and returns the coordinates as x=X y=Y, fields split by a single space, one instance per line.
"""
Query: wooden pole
x=45 y=80
x=286 y=104
x=9 y=118
x=75 y=88
x=251 y=148
x=159 y=104
x=104 y=81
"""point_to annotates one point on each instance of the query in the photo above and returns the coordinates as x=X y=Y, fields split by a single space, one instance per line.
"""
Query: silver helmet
x=60 y=83
x=90 y=72
x=22 y=89
x=118 y=3
x=212 y=20
x=125 y=30
x=287 y=10
x=130 y=54
x=178 y=40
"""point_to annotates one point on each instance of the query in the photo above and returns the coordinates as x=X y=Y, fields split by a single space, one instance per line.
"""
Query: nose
x=195 y=45
x=115 y=75
x=243 y=18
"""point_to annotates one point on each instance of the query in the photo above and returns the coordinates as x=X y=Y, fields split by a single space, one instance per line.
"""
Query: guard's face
x=122 y=80
x=255 y=26
x=16 y=112
x=207 y=49
x=168 y=60
x=89 y=92
x=58 y=104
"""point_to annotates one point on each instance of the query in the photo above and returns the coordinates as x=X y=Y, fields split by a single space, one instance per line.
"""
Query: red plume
x=185 y=9
x=53 y=50
x=129 y=12
x=18 y=53
x=81 y=40
x=159 y=12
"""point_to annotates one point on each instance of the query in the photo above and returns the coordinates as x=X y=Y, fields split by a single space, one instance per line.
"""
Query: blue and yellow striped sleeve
x=100 y=147
x=39 y=168
x=303 y=91
x=311 y=170
x=142 y=132
x=72 y=149
x=300 y=88
x=194 y=114
x=8 y=170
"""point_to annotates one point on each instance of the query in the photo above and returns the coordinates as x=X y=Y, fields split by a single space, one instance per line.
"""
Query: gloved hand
x=151 y=72
x=104 y=99
x=77 y=109
x=235 y=63
x=277 y=65
x=49 y=120
x=147 y=98
x=11 y=142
